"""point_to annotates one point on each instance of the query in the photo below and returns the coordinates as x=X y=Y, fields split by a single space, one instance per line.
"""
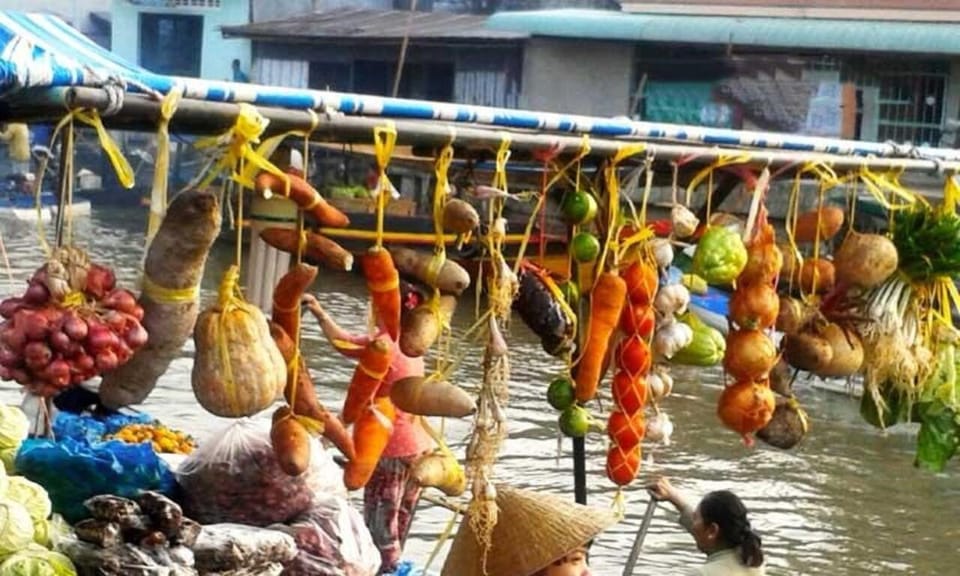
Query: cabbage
x=16 y=528
x=36 y=561
x=31 y=495
x=48 y=533
x=4 y=482
x=14 y=426
x=7 y=456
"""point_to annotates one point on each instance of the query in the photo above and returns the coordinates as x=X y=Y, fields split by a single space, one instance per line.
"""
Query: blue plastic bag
x=91 y=428
x=73 y=470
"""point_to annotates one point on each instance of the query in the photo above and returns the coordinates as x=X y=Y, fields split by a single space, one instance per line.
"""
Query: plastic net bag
x=72 y=471
x=234 y=477
x=332 y=535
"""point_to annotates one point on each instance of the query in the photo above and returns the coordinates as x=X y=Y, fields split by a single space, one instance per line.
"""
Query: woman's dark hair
x=726 y=510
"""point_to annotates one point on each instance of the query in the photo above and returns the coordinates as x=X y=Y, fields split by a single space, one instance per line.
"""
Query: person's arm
x=350 y=345
x=663 y=490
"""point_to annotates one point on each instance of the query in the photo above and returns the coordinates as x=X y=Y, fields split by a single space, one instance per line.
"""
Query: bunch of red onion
x=59 y=334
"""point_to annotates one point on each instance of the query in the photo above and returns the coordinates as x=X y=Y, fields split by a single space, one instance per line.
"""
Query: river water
x=846 y=502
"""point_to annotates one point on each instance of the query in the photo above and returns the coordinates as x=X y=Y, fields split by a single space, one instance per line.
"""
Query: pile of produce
x=14 y=428
x=70 y=325
x=163 y=440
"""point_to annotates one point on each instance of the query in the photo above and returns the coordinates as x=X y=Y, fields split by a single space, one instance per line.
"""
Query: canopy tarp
x=42 y=51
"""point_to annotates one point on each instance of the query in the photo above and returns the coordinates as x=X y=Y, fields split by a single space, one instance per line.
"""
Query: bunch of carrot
x=626 y=424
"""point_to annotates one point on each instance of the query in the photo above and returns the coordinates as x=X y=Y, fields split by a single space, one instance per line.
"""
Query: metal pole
x=202 y=117
x=580 y=470
x=641 y=536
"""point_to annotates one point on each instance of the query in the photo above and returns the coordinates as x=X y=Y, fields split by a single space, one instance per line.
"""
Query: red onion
x=123 y=352
x=34 y=325
x=136 y=335
x=100 y=280
x=75 y=327
x=116 y=321
x=21 y=376
x=60 y=342
x=9 y=358
x=107 y=361
x=58 y=373
x=120 y=300
x=100 y=338
x=14 y=338
x=36 y=294
x=10 y=306
x=37 y=355
x=84 y=364
x=138 y=313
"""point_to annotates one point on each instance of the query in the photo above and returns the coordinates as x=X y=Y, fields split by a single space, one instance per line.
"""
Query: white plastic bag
x=234 y=549
x=234 y=477
x=333 y=539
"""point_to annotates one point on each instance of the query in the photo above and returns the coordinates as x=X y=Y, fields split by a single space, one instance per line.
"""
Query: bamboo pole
x=202 y=117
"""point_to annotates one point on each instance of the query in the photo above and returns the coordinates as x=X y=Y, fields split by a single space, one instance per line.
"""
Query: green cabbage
x=16 y=528
x=4 y=482
x=14 y=427
x=37 y=561
x=48 y=533
x=31 y=495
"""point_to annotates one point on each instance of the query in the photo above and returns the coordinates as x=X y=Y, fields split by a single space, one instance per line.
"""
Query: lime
x=561 y=394
x=579 y=207
x=571 y=292
x=575 y=421
x=586 y=247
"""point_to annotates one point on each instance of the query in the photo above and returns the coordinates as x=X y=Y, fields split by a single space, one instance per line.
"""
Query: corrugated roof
x=812 y=34
x=351 y=24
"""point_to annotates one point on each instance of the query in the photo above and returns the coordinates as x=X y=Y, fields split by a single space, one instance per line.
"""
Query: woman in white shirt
x=721 y=529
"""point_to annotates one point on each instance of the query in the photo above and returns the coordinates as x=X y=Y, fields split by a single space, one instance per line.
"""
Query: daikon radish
x=417 y=395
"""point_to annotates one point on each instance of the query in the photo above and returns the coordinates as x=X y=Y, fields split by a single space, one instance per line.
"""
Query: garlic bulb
x=671 y=338
x=656 y=386
x=684 y=221
x=662 y=252
x=672 y=299
x=660 y=429
x=663 y=373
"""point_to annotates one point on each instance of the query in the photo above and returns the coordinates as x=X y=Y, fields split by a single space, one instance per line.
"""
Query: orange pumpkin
x=755 y=306
x=626 y=430
x=633 y=355
x=623 y=465
x=639 y=320
x=629 y=392
x=642 y=281
x=746 y=407
x=764 y=259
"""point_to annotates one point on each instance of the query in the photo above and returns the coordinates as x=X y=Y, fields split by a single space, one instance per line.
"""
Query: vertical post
x=266 y=264
x=66 y=173
x=580 y=470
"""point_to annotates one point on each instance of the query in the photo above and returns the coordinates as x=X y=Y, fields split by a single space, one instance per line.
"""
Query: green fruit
x=571 y=292
x=561 y=394
x=575 y=421
x=578 y=207
x=586 y=247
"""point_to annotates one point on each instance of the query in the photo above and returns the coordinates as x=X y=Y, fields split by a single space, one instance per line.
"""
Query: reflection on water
x=847 y=502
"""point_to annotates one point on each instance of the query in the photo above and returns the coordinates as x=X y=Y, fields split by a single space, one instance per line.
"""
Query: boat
x=24 y=207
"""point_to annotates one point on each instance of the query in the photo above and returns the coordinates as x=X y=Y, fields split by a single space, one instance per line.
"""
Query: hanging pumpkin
x=746 y=407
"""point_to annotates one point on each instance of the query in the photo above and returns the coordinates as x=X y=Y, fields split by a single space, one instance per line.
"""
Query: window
x=171 y=44
x=330 y=76
x=420 y=80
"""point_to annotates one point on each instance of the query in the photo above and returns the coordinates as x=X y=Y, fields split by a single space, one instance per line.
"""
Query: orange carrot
x=306 y=402
x=606 y=304
x=367 y=376
x=306 y=197
x=287 y=294
x=383 y=281
x=370 y=436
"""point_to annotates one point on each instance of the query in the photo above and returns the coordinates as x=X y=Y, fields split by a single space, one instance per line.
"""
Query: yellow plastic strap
x=721 y=161
x=164 y=295
x=384 y=286
x=503 y=155
x=227 y=300
x=345 y=344
x=434 y=268
x=158 y=195
x=237 y=144
x=117 y=160
x=613 y=200
x=375 y=375
x=73 y=299
x=951 y=193
x=384 y=141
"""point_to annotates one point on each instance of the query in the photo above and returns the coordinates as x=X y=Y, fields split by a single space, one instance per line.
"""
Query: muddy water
x=847 y=502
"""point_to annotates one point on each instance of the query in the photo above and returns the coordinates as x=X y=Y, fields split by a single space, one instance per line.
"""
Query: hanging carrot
x=287 y=295
x=306 y=402
x=370 y=436
x=367 y=377
x=606 y=304
x=383 y=281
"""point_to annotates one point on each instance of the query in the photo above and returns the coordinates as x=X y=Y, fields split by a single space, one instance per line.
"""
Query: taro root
x=788 y=426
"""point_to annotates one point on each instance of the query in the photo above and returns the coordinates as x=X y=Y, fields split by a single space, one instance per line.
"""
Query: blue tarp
x=38 y=50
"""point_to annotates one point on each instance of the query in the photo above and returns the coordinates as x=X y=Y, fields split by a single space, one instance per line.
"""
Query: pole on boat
x=641 y=536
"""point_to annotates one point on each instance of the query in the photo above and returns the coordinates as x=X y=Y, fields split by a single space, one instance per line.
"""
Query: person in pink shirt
x=390 y=496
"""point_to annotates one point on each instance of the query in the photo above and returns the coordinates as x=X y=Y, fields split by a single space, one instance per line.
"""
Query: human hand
x=661 y=489
x=311 y=303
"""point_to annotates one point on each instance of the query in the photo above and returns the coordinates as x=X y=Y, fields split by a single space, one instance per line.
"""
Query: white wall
x=76 y=12
x=578 y=77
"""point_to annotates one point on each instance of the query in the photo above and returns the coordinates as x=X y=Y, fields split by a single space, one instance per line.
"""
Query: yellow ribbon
x=612 y=181
x=73 y=299
x=158 y=195
x=237 y=144
x=163 y=295
x=951 y=193
x=384 y=141
x=117 y=160
x=722 y=160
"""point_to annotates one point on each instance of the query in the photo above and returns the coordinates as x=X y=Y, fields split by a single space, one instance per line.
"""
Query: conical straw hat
x=532 y=531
